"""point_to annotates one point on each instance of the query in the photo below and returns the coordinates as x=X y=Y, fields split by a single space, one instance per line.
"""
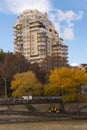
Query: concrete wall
x=68 y=107
x=73 y=107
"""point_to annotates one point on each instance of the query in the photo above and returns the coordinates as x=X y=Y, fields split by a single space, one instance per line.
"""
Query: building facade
x=36 y=37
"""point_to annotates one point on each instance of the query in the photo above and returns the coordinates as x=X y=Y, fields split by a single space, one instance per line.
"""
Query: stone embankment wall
x=68 y=107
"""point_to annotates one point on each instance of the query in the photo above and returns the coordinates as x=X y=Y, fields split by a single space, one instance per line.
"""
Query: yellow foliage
x=67 y=82
x=69 y=98
x=25 y=84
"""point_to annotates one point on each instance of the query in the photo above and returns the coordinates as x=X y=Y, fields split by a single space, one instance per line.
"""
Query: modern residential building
x=83 y=67
x=36 y=37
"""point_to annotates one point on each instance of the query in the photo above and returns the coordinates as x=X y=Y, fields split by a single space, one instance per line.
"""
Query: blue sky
x=69 y=17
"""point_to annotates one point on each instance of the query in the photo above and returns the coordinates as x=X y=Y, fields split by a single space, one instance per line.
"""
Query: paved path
x=39 y=117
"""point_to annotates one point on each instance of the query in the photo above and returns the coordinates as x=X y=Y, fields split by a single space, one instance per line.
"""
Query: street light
x=5 y=86
x=62 y=94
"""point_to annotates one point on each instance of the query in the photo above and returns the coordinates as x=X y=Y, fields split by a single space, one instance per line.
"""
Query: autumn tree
x=67 y=83
x=12 y=64
x=26 y=84
x=2 y=56
x=52 y=62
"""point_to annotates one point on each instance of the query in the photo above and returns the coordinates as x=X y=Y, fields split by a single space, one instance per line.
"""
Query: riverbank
x=40 y=117
x=12 y=111
x=53 y=125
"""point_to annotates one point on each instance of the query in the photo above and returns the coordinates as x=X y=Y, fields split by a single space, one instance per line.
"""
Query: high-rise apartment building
x=36 y=37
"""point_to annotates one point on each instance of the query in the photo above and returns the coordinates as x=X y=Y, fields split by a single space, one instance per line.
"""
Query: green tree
x=26 y=84
x=66 y=83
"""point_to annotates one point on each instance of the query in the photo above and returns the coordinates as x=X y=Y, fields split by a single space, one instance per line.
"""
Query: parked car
x=27 y=97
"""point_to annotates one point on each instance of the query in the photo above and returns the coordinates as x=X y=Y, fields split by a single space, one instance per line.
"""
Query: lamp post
x=5 y=86
x=62 y=94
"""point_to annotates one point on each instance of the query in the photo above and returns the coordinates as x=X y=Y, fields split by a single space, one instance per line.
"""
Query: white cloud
x=69 y=15
x=17 y=6
x=68 y=33
x=74 y=64
x=64 y=22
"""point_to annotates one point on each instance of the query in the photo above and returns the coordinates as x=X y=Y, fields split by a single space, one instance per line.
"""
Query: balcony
x=41 y=44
